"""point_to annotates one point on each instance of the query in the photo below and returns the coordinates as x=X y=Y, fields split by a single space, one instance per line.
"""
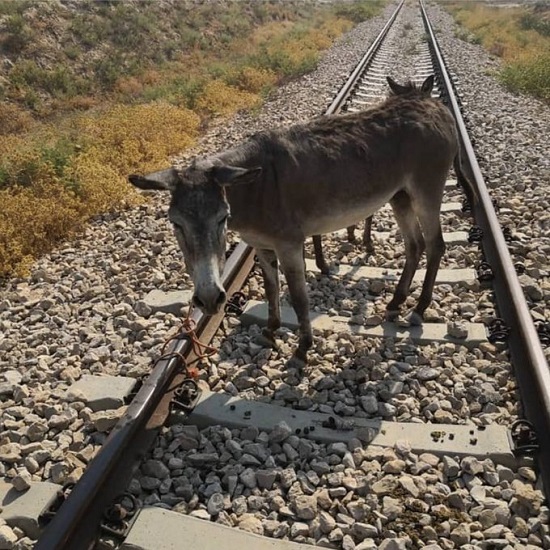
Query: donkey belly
x=335 y=216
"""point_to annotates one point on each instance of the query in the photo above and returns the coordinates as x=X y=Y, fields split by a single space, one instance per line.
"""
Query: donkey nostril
x=197 y=302
x=221 y=298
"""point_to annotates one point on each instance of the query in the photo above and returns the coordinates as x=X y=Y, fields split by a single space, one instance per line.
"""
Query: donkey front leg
x=292 y=263
x=270 y=270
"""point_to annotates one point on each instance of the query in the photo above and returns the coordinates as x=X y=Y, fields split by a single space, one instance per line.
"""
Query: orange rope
x=202 y=351
x=187 y=330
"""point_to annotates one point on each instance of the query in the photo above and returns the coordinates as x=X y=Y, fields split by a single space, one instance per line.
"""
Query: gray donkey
x=284 y=185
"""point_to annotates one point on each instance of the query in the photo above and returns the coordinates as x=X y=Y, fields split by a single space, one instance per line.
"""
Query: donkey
x=281 y=186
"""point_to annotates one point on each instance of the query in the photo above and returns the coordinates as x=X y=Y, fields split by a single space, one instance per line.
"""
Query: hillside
x=68 y=55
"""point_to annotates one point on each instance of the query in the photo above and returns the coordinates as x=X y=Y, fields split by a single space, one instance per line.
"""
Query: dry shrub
x=81 y=103
x=321 y=38
x=53 y=185
x=266 y=33
x=511 y=33
x=130 y=86
x=150 y=77
x=14 y=119
x=99 y=187
x=254 y=80
x=31 y=219
x=500 y=30
x=139 y=137
x=295 y=51
x=220 y=98
x=22 y=162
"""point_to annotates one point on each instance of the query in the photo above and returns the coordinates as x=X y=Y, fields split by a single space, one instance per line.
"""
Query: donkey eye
x=223 y=220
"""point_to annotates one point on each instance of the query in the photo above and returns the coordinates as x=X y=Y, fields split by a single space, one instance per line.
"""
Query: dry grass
x=52 y=186
x=520 y=36
x=219 y=98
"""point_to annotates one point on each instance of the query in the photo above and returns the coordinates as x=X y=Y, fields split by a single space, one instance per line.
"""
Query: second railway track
x=391 y=437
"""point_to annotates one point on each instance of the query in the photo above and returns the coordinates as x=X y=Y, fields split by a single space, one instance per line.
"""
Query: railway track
x=355 y=441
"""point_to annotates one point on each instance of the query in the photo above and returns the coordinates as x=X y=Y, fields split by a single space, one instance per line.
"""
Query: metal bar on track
x=530 y=366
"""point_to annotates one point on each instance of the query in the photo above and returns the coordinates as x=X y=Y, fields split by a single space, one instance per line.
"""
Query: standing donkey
x=284 y=185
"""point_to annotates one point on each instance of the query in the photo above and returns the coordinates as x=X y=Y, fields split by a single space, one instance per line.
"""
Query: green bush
x=17 y=34
x=533 y=21
x=9 y=7
x=58 y=82
x=359 y=10
x=530 y=76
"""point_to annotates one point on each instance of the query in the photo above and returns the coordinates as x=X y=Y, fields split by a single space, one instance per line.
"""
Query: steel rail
x=530 y=365
x=76 y=524
x=346 y=90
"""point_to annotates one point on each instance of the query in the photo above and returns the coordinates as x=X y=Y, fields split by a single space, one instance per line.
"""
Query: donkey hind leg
x=319 y=257
x=414 y=246
x=270 y=270
x=290 y=255
x=351 y=233
x=367 y=236
x=428 y=216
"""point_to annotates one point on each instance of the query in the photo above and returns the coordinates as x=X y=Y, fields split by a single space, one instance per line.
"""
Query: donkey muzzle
x=209 y=300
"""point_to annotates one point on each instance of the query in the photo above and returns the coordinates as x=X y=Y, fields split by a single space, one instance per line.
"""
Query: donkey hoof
x=265 y=339
x=298 y=361
x=392 y=315
x=415 y=318
x=324 y=269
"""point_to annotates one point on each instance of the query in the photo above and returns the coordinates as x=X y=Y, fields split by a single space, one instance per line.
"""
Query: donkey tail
x=463 y=179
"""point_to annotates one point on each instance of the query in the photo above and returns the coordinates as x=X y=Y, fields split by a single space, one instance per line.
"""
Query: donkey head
x=199 y=212
x=410 y=89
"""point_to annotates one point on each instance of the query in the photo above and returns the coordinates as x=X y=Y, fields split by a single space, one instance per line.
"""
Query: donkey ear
x=234 y=175
x=428 y=84
x=397 y=89
x=164 y=180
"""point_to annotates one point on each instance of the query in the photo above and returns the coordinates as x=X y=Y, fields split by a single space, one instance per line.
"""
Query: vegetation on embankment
x=93 y=90
x=519 y=35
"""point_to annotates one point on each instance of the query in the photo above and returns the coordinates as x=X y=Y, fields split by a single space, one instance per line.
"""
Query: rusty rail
x=346 y=90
